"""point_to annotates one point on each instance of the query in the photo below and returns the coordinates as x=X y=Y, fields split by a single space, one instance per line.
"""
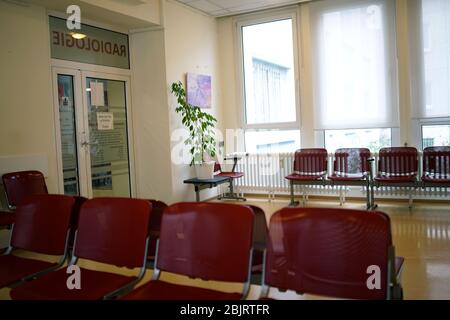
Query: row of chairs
x=397 y=167
x=309 y=250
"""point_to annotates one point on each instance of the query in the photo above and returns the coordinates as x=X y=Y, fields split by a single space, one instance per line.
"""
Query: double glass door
x=92 y=133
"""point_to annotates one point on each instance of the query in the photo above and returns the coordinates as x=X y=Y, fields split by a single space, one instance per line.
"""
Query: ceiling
x=221 y=8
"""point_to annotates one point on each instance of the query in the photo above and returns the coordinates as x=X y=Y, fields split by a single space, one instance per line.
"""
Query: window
x=435 y=135
x=269 y=141
x=374 y=139
x=270 y=116
x=430 y=59
x=354 y=58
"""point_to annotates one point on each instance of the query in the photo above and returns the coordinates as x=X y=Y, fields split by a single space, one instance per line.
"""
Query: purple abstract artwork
x=199 y=90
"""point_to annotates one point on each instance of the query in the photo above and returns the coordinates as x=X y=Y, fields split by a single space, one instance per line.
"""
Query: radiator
x=264 y=173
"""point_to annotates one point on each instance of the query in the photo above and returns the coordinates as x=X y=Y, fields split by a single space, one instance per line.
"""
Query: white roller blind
x=430 y=57
x=354 y=64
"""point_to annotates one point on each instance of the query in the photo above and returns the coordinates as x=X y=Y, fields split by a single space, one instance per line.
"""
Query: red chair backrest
x=23 y=183
x=351 y=160
x=217 y=167
x=397 y=161
x=436 y=161
x=210 y=241
x=327 y=251
x=311 y=161
x=42 y=222
x=113 y=231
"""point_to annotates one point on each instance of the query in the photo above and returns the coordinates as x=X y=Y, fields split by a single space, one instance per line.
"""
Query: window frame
x=260 y=18
x=418 y=82
x=394 y=136
x=444 y=121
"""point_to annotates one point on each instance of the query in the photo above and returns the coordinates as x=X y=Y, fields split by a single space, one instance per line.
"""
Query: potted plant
x=201 y=135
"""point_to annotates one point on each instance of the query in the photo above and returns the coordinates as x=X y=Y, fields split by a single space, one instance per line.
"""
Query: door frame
x=81 y=71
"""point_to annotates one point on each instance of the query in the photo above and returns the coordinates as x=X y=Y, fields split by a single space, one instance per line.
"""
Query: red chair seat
x=348 y=177
x=436 y=179
x=52 y=286
x=233 y=175
x=6 y=218
x=301 y=177
x=161 y=290
x=13 y=268
x=395 y=179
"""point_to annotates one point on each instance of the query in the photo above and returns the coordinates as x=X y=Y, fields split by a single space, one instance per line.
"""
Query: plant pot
x=205 y=170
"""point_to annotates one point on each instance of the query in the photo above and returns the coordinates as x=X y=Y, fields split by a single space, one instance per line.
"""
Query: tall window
x=271 y=117
x=435 y=135
x=373 y=139
x=354 y=63
x=430 y=69
x=434 y=59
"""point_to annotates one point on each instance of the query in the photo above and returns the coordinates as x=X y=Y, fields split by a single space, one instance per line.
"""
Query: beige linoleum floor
x=421 y=235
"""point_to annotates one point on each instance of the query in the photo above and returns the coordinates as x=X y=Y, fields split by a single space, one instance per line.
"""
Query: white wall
x=26 y=104
x=192 y=45
x=151 y=116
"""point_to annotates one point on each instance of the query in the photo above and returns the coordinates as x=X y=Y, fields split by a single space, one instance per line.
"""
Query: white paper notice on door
x=97 y=94
x=105 y=121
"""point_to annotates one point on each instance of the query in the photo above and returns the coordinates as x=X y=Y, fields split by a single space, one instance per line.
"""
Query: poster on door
x=105 y=121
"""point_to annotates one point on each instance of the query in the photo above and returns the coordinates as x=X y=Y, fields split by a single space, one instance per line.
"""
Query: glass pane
x=435 y=136
x=269 y=72
x=68 y=134
x=272 y=141
x=108 y=137
x=374 y=139
x=436 y=55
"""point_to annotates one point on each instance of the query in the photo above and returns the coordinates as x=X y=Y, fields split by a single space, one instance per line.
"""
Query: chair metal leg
x=232 y=195
x=369 y=202
x=410 y=200
x=373 y=206
x=293 y=203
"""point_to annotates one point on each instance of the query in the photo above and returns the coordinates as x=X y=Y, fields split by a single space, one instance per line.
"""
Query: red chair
x=232 y=175
x=397 y=167
x=351 y=167
x=158 y=208
x=436 y=167
x=18 y=185
x=210 y=241
x=110 y=230
x=310 y=168
x=42 y=226
x=328 y=252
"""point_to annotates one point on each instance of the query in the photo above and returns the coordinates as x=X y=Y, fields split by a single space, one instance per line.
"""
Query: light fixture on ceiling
x=77 y=35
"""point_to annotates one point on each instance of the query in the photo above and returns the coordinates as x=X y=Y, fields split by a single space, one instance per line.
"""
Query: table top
x=216 y=179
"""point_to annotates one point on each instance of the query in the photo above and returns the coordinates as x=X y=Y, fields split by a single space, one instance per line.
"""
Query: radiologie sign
x=100 y=46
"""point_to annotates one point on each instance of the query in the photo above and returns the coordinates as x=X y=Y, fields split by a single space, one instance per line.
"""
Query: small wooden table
x=201 y=184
